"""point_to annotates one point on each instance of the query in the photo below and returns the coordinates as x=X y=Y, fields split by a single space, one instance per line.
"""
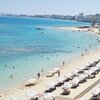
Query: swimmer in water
x=13 y=67
x=11 y=76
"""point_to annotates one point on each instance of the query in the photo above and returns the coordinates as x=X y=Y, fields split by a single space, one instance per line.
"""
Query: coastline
x=20 y=90
x=82 y=29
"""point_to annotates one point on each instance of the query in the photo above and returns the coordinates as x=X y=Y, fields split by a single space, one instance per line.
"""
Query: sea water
x=28 y=45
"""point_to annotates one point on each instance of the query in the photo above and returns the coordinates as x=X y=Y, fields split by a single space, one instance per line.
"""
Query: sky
x=59 y=7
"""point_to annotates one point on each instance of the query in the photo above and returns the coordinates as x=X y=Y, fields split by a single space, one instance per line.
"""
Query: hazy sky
x=64 y=7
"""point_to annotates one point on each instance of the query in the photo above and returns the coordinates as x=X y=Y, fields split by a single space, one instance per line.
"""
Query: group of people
x=58 y=72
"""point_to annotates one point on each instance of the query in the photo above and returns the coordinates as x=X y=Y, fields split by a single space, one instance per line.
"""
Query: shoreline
x=43 y=74
x=14 y=90
x=81 y=29
x=78 y=61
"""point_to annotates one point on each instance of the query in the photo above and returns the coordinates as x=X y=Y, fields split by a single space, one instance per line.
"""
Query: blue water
x=28 y=45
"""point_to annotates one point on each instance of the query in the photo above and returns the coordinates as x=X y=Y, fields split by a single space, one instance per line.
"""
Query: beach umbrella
x=32 y=81
x=60 y=79
x=67 y=85
x=96 y=59
x=47 y=96
x=31 y=93
x=74 y=72
x=91 y=62
x=95 y=91
x=87 y=64
x=51 y=84
x=82 y=76
x=75 y=80
x=14 y=98
x=89 y=72
x=81 y=68
x=68 y=75
x=98 y=65
x=93 y=69
x=99 y=85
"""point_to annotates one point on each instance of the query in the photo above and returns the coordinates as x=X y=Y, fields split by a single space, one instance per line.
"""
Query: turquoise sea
x=28 y=45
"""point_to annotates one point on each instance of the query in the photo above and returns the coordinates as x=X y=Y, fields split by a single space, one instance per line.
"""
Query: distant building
x=98 y=18
x=81 y=17
x=76 y=17
x=57 y=16
x=68 y=17
x=88 y=18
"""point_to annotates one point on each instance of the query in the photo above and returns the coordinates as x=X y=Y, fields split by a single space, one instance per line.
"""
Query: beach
x=44 y=51
x=50 y=50
x=95 y=30
x=20 y=91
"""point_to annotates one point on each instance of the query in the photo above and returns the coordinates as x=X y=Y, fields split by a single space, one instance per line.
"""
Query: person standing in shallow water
x=38 y=75
x=63 y=62
x=58 y=73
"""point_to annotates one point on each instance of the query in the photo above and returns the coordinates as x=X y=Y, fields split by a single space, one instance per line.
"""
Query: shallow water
x=29 y=45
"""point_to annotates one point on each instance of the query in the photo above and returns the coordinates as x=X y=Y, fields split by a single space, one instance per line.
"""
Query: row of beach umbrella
x=66 y=85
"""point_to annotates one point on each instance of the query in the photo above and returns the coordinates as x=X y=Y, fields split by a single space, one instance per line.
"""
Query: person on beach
x=58 y=73
x=63 y=62
x=38 y=75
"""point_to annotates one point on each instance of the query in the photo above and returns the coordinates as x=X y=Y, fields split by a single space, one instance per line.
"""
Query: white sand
x=89 y=30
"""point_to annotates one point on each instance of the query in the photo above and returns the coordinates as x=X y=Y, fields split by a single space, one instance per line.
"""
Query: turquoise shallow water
x=29 y=45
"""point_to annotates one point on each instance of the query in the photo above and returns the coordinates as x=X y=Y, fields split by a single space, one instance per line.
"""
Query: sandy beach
x=40 y=87
x=83 y=29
